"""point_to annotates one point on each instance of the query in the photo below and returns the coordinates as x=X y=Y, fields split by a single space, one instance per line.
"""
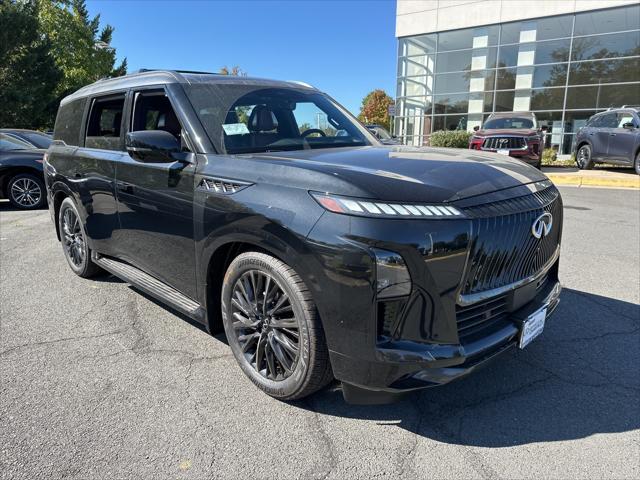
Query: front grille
x=511 y=143
x=481 y=317
x=503 y=250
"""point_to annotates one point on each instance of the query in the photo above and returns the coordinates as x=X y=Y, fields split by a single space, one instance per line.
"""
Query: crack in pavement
x=321 y=434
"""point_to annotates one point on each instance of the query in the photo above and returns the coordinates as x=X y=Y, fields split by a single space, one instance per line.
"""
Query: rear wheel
x=26 y=191
x=74 y=241
x=273 y=328
x=583 y=158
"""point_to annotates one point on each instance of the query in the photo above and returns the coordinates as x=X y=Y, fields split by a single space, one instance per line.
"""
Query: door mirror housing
x=152 y=146
x=628 y=125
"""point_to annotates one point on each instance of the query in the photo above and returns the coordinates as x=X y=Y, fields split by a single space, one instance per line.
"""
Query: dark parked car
x=612 y=137
x=322 y=256
x=32 y=137
x=511 y=133
x=21 y=178
x=382 y=134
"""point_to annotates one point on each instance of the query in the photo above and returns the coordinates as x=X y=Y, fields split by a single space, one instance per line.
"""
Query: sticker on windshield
x=235 y=128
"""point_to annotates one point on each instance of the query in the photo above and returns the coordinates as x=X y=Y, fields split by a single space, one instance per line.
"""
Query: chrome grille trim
x=504 y=142
x=504 y=254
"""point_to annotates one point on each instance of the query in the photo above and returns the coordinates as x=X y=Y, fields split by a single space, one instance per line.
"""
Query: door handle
x=612 y=134
x=124 y=187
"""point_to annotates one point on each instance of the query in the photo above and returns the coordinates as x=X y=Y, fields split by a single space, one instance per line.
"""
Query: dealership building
x=460 y=60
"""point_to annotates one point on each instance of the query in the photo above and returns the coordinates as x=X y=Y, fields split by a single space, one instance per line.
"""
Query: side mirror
x=628 y=125
x=476 y=128
x=544 y=128
x=152 y=146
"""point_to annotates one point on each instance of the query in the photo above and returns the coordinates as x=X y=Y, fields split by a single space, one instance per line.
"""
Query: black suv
x=322 y=253
x=612 y=137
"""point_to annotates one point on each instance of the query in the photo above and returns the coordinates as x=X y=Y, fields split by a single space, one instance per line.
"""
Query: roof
x=158 y=77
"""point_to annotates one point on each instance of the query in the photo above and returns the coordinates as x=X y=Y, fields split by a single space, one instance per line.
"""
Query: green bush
x=549 y=155
x=450 y=138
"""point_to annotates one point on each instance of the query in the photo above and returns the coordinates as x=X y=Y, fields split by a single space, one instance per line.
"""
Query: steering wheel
x=313 y=130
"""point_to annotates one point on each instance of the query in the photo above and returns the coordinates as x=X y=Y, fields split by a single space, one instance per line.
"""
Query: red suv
x=511 y=133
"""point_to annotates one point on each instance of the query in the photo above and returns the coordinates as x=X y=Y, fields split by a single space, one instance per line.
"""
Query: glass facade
x=563 y=68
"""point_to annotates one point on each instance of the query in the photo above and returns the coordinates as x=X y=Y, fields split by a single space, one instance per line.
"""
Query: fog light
x=392 y=275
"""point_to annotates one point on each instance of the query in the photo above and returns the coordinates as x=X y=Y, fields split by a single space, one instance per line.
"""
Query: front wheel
x=26 y=191
x=583 y=158
x=273 y=328
x=74 y=241
x=636 y=164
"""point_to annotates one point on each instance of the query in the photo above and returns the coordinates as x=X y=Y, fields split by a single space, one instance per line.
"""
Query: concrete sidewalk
x=599 y=177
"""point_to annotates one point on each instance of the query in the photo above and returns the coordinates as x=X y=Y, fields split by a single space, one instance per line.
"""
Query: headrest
x=231 y=117
x=262 y=119
x=169 y=122
x=117 y=120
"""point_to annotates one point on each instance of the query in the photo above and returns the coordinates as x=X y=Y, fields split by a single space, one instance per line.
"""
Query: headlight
x=373 y=208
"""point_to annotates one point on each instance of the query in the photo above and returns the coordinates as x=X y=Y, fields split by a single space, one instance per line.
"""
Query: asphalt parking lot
x=99 y=381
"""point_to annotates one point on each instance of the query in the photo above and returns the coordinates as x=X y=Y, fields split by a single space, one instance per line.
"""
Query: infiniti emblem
x=542 y=225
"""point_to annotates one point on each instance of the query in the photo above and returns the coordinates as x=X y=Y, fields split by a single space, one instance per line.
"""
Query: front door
x=622 y=140
x=155 y=201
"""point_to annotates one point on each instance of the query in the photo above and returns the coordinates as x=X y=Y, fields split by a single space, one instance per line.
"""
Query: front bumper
x=440 y=364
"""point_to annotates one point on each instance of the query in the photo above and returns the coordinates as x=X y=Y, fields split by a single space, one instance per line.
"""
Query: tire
x=285 y=369
x=583 y=157
x=26 y=191
x=636 y=163
x=73 y=238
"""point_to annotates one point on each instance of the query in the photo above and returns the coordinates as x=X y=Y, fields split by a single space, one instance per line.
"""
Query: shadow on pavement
x=580 y=378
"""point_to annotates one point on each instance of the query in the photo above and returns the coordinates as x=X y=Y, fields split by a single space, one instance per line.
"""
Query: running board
x=151 y=286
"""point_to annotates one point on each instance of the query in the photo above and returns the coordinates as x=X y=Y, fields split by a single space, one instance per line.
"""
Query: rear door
x=90 y=170
x=600 y=138
x=155 y=200
x=622 y=140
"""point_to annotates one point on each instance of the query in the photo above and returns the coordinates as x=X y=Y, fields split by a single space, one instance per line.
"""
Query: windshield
x=252 y=119
x=10 y=143
x=516 y=122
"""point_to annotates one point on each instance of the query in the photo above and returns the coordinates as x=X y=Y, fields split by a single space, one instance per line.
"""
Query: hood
x=409 y=174
x=525 y=132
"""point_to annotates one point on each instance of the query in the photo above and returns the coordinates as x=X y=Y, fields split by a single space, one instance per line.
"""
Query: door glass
x=105 y=121
x=153 y=111
x=624 y=118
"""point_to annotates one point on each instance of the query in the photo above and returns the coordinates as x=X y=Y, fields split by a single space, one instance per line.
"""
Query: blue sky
x=346 y=48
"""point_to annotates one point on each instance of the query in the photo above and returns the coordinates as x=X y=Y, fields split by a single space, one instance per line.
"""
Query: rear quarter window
x=69 y=121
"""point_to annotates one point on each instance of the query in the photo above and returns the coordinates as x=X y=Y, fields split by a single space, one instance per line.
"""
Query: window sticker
x=235 y=128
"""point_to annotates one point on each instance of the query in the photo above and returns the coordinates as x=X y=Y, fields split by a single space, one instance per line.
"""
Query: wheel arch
x=222 y=253
x=59 y=192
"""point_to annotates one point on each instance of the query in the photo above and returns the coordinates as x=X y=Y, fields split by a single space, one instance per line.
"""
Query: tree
x=375 y=108
x=80 y=48
x=235 y=71
x=28 y=72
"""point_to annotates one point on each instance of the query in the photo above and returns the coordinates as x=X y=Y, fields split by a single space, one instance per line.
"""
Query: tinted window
x=608 y=120
x=470 y=38
x=105 y=123
x=39 y=140
x=8 y=142
x=506 y=122
x=603 y=96
x=614 y=20
x=606 y=46
x=68 y=121
x=153 y=111
x=605 y=71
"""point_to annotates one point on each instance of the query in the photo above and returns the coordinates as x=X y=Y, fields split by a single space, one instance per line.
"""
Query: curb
x=580 y=181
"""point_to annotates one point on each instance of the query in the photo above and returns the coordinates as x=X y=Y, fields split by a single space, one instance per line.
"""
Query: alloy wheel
x=73 y=238
x=26 y=192
x=265 y=325
x=583 y=157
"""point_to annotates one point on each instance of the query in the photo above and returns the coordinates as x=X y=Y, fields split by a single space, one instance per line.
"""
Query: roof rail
x=143 y=70
x=630 y=106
